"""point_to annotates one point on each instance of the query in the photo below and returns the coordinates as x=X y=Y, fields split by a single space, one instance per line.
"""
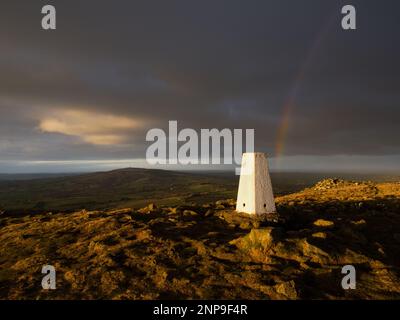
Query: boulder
x=287 y=289
x=323 y=223
x=149 y=209
x=257 y=244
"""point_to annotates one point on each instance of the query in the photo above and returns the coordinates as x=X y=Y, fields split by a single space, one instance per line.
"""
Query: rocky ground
x=212 y=252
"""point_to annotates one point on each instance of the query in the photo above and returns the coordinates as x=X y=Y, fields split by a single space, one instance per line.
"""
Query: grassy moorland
x=211 y=252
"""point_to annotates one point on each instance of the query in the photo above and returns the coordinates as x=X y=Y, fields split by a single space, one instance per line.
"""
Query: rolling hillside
x=135 y=188
x=119 y=188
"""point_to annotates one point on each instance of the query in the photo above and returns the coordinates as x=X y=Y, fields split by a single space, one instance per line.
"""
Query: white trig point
x=255 y=194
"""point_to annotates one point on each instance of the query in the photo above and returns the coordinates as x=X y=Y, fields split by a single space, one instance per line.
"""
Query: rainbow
x=290 y=101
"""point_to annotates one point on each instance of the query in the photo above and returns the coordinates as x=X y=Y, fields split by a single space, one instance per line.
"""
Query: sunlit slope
x=211 y=252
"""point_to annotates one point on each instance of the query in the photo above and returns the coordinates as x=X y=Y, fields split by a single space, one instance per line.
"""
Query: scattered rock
x=330 y=183
x=257 y=243
x=144 y=234
x=359 y=222
x=189 y=213
x=209 y=213
x=226 y=203
x=287 y=289
x=245 y=225
x=314 y=253
x=121 y=211
x=321 y=235
x=149 y=209
x=323 y=223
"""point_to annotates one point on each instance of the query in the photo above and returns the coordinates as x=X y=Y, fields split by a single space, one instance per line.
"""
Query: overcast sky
x=317 y=96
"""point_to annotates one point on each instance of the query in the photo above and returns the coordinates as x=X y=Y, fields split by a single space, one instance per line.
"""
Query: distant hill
x=135 y=188
x=32 y=176
x=119 y=188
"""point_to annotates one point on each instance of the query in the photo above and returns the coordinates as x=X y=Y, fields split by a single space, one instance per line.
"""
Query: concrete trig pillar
x=255 y=194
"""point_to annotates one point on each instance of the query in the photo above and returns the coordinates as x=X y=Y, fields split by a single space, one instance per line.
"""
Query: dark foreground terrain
x=211 y=252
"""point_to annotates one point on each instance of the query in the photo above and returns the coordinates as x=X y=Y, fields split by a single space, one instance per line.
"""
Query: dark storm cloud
x=206 y=64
